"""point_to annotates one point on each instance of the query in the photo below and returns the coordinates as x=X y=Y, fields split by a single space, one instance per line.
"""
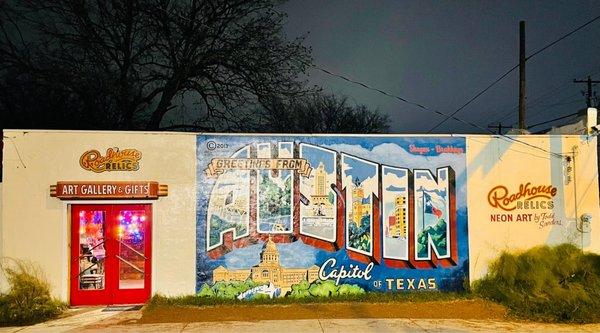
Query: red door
x=110 y=254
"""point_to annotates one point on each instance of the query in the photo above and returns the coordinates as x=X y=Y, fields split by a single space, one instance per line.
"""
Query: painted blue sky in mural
x=380 y=150
x=293 y=255
x=315 y=156
x=359 y=170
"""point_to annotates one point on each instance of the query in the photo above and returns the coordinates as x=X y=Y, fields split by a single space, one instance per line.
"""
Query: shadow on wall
x=488 y=156
x=495 y=149
x=571 y=228
x=567 y=230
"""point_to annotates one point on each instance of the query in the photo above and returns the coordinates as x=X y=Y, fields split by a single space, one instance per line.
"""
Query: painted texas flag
x=430 y=208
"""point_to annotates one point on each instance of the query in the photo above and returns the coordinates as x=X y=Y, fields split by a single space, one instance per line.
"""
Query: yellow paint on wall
x=493 y=161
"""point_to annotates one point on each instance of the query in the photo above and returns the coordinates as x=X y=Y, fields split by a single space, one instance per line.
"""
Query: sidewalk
x=352 y=325
x=96 y=320
x=80 y=319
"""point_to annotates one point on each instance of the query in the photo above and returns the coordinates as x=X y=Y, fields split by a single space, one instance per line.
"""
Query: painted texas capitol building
x=268 y=270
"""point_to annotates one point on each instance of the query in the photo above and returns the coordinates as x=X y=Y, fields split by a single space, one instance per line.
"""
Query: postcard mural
x=319 y=216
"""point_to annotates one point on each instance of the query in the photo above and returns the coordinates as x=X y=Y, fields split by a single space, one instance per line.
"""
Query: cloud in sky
x=393 y=155
x=393 y=188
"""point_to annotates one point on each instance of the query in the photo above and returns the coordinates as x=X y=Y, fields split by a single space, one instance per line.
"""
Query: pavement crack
x=321 y=326
x=416 y=324
x=184 y=327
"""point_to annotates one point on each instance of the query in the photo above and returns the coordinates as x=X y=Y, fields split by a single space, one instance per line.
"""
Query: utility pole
x=522 y=60
x=499 y=127
x=590 y=90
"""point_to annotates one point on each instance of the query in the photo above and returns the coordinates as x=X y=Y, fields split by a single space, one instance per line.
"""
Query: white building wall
x=2 y=279
x=36 y=225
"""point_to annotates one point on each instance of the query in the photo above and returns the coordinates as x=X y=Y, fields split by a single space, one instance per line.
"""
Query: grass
x=28 y=301
x=194 y=300
x=550 y=284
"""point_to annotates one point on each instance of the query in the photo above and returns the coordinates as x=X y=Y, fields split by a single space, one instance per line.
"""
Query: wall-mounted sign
x=115 y=160
x=530 y=203
x=527 y=197
x=108 y=190
x=219 y=165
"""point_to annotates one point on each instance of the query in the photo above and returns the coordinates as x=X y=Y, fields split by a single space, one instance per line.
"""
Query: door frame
x=66 y=241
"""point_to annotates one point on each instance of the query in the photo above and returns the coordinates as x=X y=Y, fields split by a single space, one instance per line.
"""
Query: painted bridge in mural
x=332 y=200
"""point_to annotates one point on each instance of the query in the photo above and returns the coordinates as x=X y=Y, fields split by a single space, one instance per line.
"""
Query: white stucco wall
x=2 y=280
x=493 y=161
x=36 y=225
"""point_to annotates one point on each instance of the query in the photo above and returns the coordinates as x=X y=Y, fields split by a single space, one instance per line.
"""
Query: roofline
x=391 y=135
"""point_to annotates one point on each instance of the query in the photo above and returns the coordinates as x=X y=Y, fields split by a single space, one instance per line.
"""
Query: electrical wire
x=512 y=69
x=530 y=103
x=563 y=37
x=547 y=107
x=538 y=99
x=423 y=107
x=474 y=97
x=551 y=120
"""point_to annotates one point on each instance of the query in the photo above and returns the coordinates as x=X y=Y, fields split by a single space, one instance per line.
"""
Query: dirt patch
x=459 y=309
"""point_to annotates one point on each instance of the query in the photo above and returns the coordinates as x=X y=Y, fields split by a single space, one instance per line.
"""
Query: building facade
x=116 y=217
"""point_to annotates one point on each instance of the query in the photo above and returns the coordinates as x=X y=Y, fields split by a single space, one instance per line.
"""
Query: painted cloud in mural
x=326 y=215
x=394 y=155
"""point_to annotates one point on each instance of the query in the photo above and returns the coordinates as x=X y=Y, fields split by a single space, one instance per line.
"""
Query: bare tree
x=319 y=113
x=127 y=62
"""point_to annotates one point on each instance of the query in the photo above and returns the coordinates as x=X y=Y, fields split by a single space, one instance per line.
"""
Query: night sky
x=441 y=53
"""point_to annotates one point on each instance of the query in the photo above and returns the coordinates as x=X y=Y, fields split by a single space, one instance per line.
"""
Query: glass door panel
x=131 y=233
x=91 y=249
x=90 y=260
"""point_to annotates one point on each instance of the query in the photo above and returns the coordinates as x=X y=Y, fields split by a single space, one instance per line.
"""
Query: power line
x=513 y=68
x=567 y=100
x=537 y=100
x=373 y=89
x=551 y=120
x=402 y=99
x=421 y=106
x=475 y=97
x=563 y=37
x=530 y=103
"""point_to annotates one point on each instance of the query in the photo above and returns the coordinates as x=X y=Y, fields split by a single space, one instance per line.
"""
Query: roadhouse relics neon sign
x=114 y=160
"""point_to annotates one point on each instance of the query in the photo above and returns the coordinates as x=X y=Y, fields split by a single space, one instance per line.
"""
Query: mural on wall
x=320 y=216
